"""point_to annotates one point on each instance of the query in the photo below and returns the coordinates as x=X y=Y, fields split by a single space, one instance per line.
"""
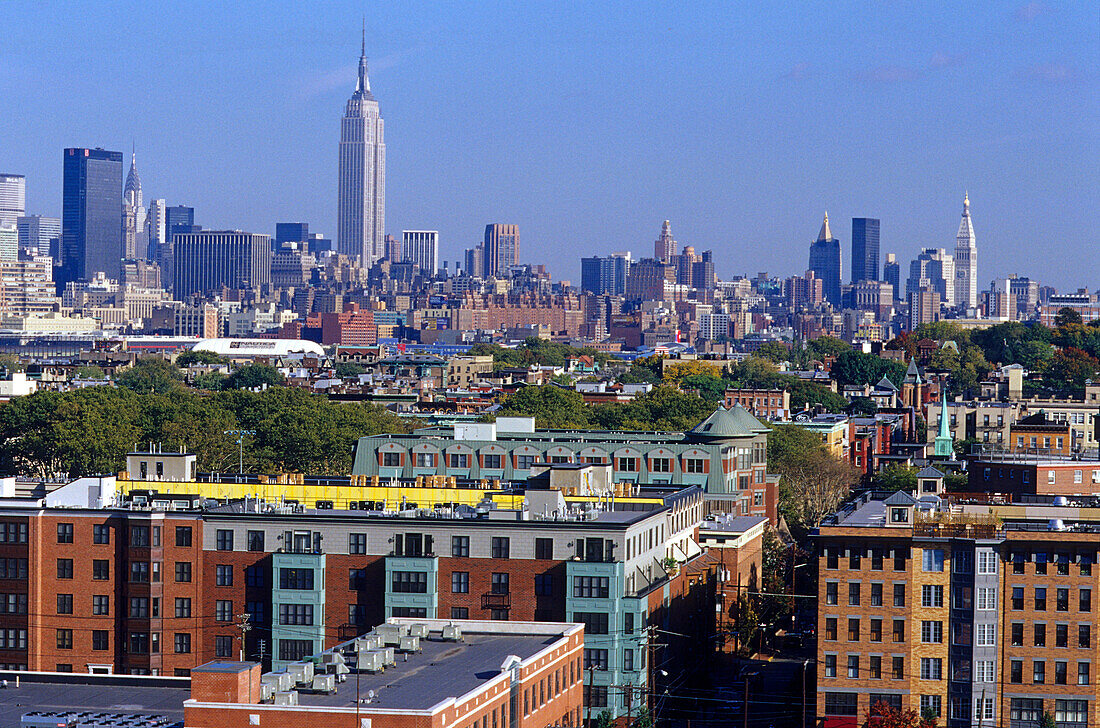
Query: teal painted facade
x=625 y=638
x=295 y=598
x=428 y=600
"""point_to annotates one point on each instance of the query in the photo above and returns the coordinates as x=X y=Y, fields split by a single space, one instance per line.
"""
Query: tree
x=1066 y=315
x=89 y=372
x=1070 y=367
x=11 y=363
x=862 y=407
x=883 y=715
x=254 y=376
x=192 y=357
x=662 y=408
x=825 y=346
x=896 y=477
x=349 y=370
x=812 y=482
x=712 y=389
x=212 y=381
x=674 y=373
x=773 y=351
x=956 y=483
x=604 y=720
x=151 y=376
x=550 y=405
x=857 y=368
x=646 y=369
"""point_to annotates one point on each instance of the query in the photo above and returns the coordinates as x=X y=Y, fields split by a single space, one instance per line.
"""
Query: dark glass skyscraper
x=825 y=262
x=91 y=219
x=605 y=275
x=864 y=249
x=178 y=219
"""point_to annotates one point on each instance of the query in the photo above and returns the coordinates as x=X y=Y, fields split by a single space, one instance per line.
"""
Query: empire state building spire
x=362 y=86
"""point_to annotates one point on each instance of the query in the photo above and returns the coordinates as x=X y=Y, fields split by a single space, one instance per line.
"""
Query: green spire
x=945 y=443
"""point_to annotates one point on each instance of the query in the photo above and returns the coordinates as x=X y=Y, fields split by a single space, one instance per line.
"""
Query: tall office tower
x=825 y=262
x=135 y=242
x=501 y=249
x=26 y=286
x=91 y=219
x=391 y=248
x=664 y=247
x=421 y=247
x=605 y=275
x=891 y=273
x=475 y=261
x=864 y=249
x=178 y=219
x=702 y=271
x=9 y=242
x=291 y=232
x=13 y=198
x=361 y=206
x=208 y=260
x=966 y=261
x=36 y=232
x=933 y=269
x=155 y=230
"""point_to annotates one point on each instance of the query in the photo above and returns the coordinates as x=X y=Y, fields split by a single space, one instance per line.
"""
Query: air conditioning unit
x=287 y=698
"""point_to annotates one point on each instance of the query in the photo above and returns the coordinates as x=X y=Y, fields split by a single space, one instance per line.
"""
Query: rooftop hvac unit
x=287 y=698
x=339 y=671
x=409 y=644
x=324 y=684
x=452 y=633
x=282 y=681
x=267 y=692
x=300 y=672
x=391 y=634
x=388 y=657
x=332 y=658
x=368 y=642
x=419 y=630
x=370 y=662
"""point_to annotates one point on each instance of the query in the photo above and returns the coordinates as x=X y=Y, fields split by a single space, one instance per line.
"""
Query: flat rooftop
x=115 y=695
x=441 y=670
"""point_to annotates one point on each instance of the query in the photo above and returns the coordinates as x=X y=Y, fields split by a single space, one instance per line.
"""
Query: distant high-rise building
x=891 y=273
x=501 y=249
x=291 y=232
x=421 y=247
x=135 y=242
x=9 y=242
x=475 y=261
x=208 y=260
x=178 y=218
x=91 y=219
x=664 y=247
x=155 y=230
x=26 y=286
x=864 y=249
x=391 y=248
x=825 y=262
x=361 y=205
x=605 y=275
x=933 y=269
x=13 y=198
x=36 y=232
x=966 y=261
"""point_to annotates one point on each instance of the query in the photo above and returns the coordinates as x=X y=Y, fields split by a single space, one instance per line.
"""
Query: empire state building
x=361 y=207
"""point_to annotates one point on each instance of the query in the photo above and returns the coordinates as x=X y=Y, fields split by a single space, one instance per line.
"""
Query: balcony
x=496 y=601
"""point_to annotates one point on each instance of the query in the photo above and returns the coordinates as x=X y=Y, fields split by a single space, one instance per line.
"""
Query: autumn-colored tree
x=675 y=373
x=882 y=715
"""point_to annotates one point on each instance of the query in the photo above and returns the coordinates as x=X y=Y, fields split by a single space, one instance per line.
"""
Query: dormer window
x=899 y=515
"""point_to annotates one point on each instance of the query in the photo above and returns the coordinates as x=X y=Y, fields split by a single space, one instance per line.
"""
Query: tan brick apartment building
x=984 y=615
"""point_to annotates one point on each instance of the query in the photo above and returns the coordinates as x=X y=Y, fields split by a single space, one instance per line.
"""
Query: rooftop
x=115 y=695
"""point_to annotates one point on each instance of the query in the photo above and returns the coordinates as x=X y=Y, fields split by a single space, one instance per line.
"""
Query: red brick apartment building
x=983 y=615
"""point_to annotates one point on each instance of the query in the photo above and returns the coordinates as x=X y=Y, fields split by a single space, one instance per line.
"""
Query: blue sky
x=589 y=123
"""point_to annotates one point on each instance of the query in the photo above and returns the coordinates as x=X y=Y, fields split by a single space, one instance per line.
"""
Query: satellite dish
x=370 y=695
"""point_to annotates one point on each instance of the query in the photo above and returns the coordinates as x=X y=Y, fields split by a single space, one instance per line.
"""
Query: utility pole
x=244 y=624
x=240 y=445
x=805 y=664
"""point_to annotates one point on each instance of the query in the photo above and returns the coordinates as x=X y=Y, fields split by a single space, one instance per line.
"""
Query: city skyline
x=911 y=180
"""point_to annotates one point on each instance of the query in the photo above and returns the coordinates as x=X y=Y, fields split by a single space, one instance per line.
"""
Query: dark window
x=101 y=569
x=101 y=604
x=1059 y=672
x=897 y=668
x=594 y=622
x=841 y=704
x=101 y=639
x=139 y=607
x=254 y=576
x=899 y=630
x=499 y=583
x=357 y=543
x=460 y=546
x=64 y=639
x=1016 y=671
x=830 y=628
x=853 y=594
x=460 y=612
x=876 y=595
x=101 y=533
x=223 y=575
x=357 y=579
x=421 y=612
x=899 y=595
x=296 y=579
x=591 y=587
x=294 y=650
x=223 y=610
x=544 y=548
x=183 y=643
x=1061 y=635
x=64 y=568
x=64 y=533
x=499 y=547
x=296 y=614
x=1040 y=599
x=1084 y=635
x=183 y=571
x=595 y=659
x=1062 y=599
x=223 y=646
x=544 y=585
x=1017 y=597
x=460 y=582
x=183 y=607
x=224 y=540
x=183 y=536
x=1084 y=602
x=1040 y=635
x=139 y=536
x=854 y=557
x=831 y=588
x=410 y=582
x=1017 y=634
x=139 y=643
x=255 y=540
x=1026 y=712
x=64 y=603
x=139 y=572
